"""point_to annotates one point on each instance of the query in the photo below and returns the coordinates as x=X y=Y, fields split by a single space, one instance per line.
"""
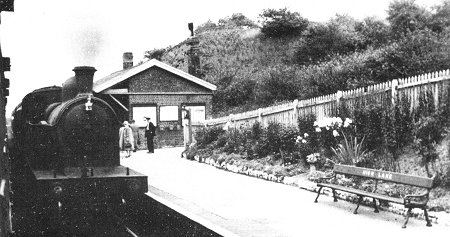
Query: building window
x=168 y=113
x=198 y=113
x=140 y=112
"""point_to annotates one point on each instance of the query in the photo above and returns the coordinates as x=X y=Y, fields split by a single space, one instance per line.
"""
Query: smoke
x=87 y=45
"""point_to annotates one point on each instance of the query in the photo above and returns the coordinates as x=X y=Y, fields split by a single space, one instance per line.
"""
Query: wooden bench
x=409 y=201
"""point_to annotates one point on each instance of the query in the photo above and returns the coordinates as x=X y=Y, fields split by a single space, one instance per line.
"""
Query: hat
x=146 y=117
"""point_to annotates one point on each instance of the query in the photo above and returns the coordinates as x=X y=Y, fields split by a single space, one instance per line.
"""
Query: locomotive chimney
x=127 y=60
x=81 y=83
x=85 y=78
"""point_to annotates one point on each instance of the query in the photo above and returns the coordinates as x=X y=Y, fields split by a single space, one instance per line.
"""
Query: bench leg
x=375 y=205
x=334 y=196
x=426 y=216
x=359 y=202
x=408 y=213
x=318 y=193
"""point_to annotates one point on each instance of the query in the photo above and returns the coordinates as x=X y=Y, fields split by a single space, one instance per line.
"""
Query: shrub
x=288 y=135
x=235 y=141
x=427 y=133
x=282 y=22
x=206 y=136
x=233 y=94
x=426 y=105
x=396 y=128
x=445 y=180
x=339 y=36
x=279 y=84
x=272 y=137
x=368 y=121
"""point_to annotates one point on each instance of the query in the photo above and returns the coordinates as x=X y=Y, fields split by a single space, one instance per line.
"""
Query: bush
x=272 y=138
x=206 y=136
x=282 y=22
x=307 y=140
x=235 y=141
x=234 y=94
x=427 y=133
x=279 y=84
x=396 y=128
x=368 y=121
x=288 y=143
x=324 y=40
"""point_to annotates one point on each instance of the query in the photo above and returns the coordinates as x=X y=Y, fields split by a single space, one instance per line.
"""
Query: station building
x=159 y=91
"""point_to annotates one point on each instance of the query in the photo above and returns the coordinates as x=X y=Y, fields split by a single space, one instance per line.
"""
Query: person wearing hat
x=136 y=135
x=150 y=132
x=126 y=141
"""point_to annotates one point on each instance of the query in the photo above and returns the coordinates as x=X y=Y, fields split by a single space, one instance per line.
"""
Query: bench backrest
x=412 y=180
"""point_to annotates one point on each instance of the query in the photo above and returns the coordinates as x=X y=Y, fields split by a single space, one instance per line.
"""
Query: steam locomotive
x=65 y=158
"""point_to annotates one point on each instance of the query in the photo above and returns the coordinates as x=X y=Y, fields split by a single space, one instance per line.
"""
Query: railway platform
x=238 y=205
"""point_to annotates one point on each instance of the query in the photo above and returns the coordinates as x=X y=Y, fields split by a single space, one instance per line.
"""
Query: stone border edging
x=311 y=186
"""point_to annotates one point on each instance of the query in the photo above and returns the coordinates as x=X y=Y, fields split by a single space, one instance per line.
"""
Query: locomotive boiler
x=65 y=154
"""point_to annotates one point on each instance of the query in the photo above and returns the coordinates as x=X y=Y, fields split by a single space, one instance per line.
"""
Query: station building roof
x=119 y=76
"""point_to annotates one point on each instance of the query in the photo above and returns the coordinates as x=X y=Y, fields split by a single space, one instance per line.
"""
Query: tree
x=322 y=41
x=155 y=53
x=282 y=22
x=440 y=20
x=373 y=32
x=406 y=16
x=278 y=85
x=207 y=26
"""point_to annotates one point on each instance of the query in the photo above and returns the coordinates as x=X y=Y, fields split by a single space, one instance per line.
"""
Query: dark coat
x=151 y=131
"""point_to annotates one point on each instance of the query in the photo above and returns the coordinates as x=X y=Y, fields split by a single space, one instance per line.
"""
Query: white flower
x=335 y=133
x=312 y=158
x=347 y=122
x=318 y=129
x=303 y=141
x=306 y=135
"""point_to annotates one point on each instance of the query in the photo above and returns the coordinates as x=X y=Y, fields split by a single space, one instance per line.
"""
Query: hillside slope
x=237 y=53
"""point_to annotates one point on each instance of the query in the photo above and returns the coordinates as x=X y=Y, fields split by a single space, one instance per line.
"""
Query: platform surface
x=238 y=205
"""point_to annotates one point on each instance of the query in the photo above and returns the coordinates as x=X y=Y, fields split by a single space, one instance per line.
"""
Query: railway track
x=146 y=217
x=137 y=217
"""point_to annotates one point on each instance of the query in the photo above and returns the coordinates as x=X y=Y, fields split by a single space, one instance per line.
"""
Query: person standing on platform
x=126 y=139
x=136 y=135
x=150 y=132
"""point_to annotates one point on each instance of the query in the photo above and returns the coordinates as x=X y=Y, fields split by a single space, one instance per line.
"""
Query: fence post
x=231 y=120
x=295 y=113
x=394 y=92
x=260 y=116
x=339 y=95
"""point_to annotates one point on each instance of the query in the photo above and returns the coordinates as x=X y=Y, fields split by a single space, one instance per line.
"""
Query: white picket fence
x=328 y=105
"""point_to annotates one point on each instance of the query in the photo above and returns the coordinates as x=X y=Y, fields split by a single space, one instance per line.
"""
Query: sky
x=46 y=39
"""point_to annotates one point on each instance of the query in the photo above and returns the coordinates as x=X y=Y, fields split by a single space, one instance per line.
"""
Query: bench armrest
x=327 y=177
x=416 y=200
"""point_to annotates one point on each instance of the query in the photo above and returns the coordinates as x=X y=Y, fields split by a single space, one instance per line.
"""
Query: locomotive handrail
x=41 y=123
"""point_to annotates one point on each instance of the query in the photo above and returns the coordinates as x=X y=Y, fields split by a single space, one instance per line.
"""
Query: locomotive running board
x=93 y=174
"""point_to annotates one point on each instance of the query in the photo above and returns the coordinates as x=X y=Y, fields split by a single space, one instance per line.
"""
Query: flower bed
x=296 y=175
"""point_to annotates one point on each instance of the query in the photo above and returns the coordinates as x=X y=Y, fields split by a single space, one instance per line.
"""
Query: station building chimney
x=127 y=60
x=193 y=53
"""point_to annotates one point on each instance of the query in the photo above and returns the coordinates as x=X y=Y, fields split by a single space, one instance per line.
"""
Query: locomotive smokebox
x=81 y=83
